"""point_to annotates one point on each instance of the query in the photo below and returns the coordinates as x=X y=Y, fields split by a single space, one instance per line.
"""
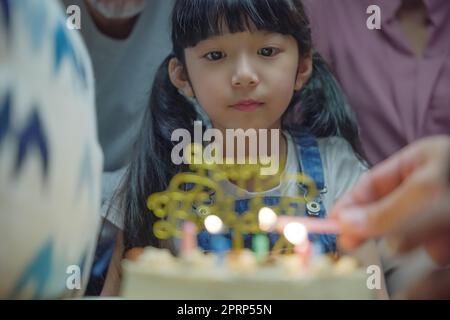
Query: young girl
x=245 y=64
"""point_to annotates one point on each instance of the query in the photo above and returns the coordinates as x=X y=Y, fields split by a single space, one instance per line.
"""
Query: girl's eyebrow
x=205 y=44
x=217 y=39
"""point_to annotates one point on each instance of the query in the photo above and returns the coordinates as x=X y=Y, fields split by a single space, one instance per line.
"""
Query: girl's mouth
x=247 y=105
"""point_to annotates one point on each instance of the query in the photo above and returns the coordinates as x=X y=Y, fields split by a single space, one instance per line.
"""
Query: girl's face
x=245 y=79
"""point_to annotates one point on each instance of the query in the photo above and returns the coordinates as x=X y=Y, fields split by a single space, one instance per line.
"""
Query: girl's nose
x=245 y=75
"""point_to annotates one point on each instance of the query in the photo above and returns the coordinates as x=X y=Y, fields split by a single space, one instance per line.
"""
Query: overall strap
x=309 y=156
x=310 y=163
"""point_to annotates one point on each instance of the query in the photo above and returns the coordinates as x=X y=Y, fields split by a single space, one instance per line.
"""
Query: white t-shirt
x=341 y=170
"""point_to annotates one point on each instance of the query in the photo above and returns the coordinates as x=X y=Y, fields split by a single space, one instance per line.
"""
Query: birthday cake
x=288 y=268
x=156 y=274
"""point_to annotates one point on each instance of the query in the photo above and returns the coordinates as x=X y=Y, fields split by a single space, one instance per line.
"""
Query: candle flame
x=295 y=233
x=213 y=224
x=267 y=218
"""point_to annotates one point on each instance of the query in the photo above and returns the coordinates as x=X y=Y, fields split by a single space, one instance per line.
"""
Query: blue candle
x=220 y=245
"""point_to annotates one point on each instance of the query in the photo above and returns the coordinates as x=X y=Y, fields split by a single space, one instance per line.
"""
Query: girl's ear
x=178 y=77
x=305 y=68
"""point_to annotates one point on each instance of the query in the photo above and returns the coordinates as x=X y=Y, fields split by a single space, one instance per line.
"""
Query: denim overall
x=310 y=164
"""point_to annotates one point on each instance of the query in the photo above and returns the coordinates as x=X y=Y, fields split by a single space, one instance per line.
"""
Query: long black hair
x=322 y=106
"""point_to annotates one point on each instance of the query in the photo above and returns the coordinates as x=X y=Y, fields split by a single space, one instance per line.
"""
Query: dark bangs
x=197 y=20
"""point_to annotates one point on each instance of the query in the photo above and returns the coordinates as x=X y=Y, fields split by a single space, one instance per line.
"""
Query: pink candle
x=304 y=251
x=189 y=238
x=297 y=234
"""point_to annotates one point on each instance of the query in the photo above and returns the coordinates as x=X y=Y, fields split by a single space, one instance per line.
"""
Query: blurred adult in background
x=396 y=78
x=126 y=40
x=50 y=158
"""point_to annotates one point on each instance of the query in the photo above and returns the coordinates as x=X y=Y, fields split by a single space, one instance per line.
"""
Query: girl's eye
x=214 y=55
x=269 y=51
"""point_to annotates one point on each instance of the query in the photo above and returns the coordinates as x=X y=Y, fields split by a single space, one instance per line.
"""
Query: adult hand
x=407 y=199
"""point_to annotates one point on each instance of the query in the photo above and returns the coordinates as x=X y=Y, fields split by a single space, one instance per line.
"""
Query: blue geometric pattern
x=5 y=116
x=35 y=20
x=33 y=135
x=37 y=272
x=65 y=49
x=24 y=131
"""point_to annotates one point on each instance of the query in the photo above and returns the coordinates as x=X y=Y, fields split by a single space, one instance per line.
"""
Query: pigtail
x=151 y=167
x=324 y=108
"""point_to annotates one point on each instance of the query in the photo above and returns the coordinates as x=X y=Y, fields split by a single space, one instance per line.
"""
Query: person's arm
x=114 y=275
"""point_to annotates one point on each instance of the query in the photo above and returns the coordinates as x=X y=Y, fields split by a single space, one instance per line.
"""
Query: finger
x=434 y=286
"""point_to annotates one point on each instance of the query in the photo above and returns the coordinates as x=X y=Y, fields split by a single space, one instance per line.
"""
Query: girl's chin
x=245 y=125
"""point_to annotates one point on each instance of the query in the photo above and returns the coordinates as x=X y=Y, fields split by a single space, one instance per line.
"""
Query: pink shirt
x=397 y=97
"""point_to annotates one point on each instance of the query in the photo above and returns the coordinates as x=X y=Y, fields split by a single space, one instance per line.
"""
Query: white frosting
x=156 y=275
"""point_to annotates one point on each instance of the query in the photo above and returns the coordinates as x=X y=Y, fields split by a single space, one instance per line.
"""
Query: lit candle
x=304 y=252
x=267 y=218
x=297 y=234
x=219 y=243
x=213 y=224
x=189 y=238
